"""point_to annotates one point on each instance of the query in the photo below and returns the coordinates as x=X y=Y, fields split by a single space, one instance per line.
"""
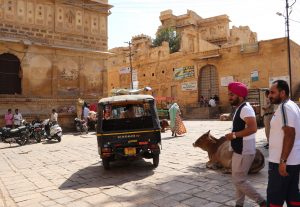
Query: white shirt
x=17 y=119
x=287 y=114
x=54 y=117
x=212 y=102
x=248 y=141
x=86 y=112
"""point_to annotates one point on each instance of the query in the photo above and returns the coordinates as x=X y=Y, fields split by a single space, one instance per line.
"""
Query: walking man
x=268 y=109
x=242 y=140
x=284 y=149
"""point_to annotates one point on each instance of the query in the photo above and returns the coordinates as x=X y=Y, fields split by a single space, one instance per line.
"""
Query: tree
x=169 y=35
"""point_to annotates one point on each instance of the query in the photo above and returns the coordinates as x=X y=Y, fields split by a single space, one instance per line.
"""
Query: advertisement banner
x=125 y=70
x=184 y=72
x=226 y=80
x=189 y=86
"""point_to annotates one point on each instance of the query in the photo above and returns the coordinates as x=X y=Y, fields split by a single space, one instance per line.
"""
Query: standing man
x=17 y=118
x=284 y=149
x=268 y=109
x=9 y=117
x=242 y=140
x=54 y=116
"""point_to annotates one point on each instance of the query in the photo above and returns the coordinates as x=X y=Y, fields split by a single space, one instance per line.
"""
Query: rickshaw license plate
x=130 y=151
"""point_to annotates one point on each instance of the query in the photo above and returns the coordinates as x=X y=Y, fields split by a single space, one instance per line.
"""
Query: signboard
x=125 y=70
x=134 y=75
x=184 y=72
x=135 y=84
x=226 y=80
x=189 y=86
x=254 y=76
x=272 y=79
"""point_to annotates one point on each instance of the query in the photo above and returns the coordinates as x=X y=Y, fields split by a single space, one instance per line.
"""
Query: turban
x=238 y=89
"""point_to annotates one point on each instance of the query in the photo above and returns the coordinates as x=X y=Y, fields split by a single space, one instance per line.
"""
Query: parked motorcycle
x=53 y=130
x=81 y=125
x=36 y=131
x=18 y=135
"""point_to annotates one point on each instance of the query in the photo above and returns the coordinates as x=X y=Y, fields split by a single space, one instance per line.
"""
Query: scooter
x=18 y=135
x=81 y=125
x=52 y=130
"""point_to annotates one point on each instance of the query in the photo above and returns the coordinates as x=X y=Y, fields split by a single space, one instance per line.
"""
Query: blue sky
x=134 y=17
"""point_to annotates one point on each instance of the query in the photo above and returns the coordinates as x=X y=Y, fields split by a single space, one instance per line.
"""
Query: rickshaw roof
x=125 y=98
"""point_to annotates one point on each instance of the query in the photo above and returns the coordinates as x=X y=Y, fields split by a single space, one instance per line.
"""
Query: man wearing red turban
x=242 y=140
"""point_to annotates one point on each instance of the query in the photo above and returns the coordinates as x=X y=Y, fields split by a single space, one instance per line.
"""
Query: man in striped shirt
x=284 y=149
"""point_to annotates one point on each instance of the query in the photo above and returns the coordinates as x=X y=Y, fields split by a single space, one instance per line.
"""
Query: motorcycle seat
x=21 y=127
x=14 y=130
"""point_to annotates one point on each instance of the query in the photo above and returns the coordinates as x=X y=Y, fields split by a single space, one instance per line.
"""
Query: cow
x=220 y=156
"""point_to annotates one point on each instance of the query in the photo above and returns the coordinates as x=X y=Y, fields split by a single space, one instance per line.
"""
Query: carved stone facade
x=61 y=48
x=210 y=55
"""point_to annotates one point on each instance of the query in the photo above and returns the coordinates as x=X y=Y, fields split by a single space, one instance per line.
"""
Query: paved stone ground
x=70 y=174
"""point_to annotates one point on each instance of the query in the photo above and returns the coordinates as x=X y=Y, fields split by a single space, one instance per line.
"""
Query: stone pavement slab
x=70 y=174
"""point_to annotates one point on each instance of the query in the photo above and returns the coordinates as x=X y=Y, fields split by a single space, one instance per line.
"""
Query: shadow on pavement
x=120 y=172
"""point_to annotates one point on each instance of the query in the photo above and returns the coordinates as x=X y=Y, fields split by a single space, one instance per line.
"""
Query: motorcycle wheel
x=22 y=140
x=58 y=139
x=38 y=137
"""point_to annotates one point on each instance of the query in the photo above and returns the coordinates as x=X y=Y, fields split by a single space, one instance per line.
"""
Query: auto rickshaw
x=128 y=128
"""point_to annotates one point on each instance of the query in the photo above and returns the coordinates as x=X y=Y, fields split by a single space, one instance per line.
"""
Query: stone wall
x=54 y=23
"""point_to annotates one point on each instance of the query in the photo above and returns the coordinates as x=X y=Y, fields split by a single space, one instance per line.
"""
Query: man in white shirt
x=54 y=116
x=284 y=148
x=17 y=118
x=212 y=102
x=242 y=142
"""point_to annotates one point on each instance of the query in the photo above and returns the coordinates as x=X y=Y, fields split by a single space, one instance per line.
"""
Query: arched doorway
x=208 y=82
x=10 y=81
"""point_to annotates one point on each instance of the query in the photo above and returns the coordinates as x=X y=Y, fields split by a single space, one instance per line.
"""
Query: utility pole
x=130 y=62
x=288 y=45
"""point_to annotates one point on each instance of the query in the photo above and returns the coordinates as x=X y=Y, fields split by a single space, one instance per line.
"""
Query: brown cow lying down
x=220 y=156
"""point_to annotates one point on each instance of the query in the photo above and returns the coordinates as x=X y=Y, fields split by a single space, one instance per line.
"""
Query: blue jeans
x=283 y=189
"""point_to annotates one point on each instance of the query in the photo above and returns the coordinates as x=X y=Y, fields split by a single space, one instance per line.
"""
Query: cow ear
x=208 y=132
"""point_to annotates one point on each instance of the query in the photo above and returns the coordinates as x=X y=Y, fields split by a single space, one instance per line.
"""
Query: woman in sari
x=176 y=124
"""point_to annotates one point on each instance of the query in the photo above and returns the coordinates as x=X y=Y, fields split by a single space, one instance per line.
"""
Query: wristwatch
x=233 y=135
x=283 y=161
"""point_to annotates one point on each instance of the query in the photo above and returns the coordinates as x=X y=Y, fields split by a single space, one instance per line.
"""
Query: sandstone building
x=51 y=53
x=211 y=55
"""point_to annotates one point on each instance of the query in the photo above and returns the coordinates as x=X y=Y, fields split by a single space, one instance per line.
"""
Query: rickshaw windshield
x=119 y=117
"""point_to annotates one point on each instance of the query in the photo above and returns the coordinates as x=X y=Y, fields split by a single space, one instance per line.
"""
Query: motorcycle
x=36 y=131
x=81 y=125
x=52 y=130
x=18 y=135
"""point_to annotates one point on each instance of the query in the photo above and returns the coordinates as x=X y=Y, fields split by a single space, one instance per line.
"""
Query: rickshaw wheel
x=105 y=163
x=155 y=160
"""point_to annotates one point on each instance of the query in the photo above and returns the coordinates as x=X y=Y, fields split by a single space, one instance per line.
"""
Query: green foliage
x=169 y=35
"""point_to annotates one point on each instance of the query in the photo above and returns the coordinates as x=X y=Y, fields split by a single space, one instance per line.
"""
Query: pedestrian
x=284 y=148
x=212 y=102
x=54 y=116
x=8 y=117
x=242 y=140
x=17 y=118
x=268 y=109
x=86 y=111
x=217 y=99
x=176 y=124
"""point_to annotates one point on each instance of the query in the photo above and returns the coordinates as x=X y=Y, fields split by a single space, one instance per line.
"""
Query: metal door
x=208 y=82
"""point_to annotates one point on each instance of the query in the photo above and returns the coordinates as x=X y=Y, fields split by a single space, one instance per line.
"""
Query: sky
x=133 y=17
